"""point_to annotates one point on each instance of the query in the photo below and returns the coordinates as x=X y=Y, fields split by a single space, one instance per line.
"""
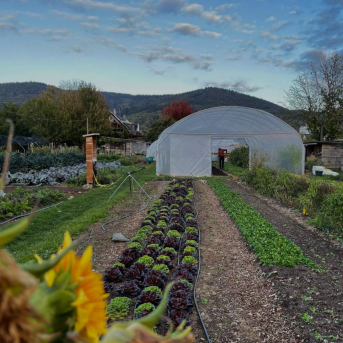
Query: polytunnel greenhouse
x=188 y=147
x=152 y=150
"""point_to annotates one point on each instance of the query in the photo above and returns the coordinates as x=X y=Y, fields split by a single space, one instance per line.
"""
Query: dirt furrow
x=238 y=304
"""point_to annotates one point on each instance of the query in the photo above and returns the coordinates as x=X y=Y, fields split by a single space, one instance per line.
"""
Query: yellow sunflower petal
x=38 y=258
x=67 y=240
x=81 y=299
x=50 y=277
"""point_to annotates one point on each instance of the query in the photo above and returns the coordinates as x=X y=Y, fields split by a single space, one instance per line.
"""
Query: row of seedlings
x=180 y=303
x=134 y=267
x=152 y=254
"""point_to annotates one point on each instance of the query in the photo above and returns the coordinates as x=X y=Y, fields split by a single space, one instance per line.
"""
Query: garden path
x=237 y=303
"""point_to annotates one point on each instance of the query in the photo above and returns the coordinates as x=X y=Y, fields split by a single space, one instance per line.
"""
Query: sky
x=256 y=47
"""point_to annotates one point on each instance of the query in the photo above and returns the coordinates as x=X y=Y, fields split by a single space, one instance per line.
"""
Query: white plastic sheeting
x=185 y=148
x=152 y=150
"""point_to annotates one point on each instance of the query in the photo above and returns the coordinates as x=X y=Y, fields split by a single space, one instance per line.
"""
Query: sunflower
x=87 y=300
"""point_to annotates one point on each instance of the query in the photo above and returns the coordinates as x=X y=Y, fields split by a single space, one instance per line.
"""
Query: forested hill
x=144 y=109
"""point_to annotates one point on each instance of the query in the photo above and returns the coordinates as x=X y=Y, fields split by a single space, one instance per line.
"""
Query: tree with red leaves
x=177 y=110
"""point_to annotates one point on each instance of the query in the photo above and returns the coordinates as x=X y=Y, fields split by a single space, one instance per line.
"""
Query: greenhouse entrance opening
x=188 y=147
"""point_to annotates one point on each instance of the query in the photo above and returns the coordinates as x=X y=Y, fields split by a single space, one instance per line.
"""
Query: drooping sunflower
x=79 y=293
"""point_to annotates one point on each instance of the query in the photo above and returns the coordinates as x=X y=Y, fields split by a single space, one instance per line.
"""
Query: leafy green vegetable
x=147 y=260
x=146 y=306
x=270 y=246
x=161 y=267
x=118 y=308
x=174 y=233
x=190 y=259
x=153 y=289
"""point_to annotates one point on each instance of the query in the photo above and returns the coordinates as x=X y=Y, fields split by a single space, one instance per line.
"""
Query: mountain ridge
x=144 y=109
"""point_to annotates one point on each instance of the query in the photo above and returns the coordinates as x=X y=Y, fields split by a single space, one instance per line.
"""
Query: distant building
x=329 y=152
x=120 y=124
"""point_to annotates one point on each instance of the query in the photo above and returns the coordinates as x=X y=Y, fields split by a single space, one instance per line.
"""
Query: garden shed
x=185 y=148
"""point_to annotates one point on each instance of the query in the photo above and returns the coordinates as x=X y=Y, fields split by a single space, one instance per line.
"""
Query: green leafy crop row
x=271 y=247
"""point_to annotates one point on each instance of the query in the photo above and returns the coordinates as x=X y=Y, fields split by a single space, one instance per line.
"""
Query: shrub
x=118 y=308
x=146 y=260
x=161 y=267
x=240 y=157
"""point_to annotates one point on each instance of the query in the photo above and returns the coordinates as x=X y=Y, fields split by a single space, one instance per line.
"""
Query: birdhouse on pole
x=91 y=155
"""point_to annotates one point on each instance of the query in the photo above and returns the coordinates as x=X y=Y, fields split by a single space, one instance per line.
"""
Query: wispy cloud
x=234 y=58
x=280 y=24
x=269 y=35
x=271 y=19
x=187 y=29
x=8 y=28
x=91 y=25
x=67 y=15
x=238 y=86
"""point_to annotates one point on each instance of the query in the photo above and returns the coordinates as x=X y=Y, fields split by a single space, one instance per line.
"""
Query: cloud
x=118 y=29
x=10 y=18
x=157 y=72
x=111 y=42
x=91 y=25
x=47 y=32
x=280 y=24
x=207 y=56
x=271 y=19
x=33 y=15
x=193 y=9
x=68 y=16
x=326 y=29
x=176 y=56
x=93 y=18
x=186 y=29
x=289 y=45
x=7 y=28
x=269 y=35
x=234 y=58
x=248 y=32
x=223 y=8
x=154 y=32
x=212 y=17
x=238 y=86
x=169 y=6
x=78 y=49
x=293 y=12
x=235 y=19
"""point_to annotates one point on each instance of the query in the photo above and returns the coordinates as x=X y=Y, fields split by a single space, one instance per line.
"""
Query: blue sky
x=256 y=47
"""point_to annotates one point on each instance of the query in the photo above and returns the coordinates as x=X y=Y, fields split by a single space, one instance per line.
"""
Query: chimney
x=137 y=127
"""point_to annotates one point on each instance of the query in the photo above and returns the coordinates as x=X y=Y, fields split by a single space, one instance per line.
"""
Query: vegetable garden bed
x=164 y=248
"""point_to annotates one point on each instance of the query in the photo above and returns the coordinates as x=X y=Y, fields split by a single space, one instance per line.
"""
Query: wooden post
x=91 y=153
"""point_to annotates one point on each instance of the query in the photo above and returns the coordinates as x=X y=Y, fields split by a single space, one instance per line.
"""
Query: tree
x=317 y=96
x=157 y=128
x=11 y=111
x=60 y=115
x=177 y=110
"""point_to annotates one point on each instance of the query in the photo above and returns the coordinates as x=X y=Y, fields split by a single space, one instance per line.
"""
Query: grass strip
x=271 y=247
x=46 y=229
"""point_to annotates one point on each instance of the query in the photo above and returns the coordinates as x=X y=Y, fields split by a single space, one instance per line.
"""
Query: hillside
x=144 y=109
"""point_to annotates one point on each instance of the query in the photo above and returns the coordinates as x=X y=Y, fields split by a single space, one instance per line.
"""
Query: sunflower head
x=71 y=297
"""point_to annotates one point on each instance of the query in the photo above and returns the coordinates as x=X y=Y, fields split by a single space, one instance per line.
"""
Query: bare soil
x=106 y=252
x=237 y=303
x=311 y=299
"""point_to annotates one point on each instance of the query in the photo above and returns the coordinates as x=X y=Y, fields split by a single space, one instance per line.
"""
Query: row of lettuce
x=167 y=241
x=271 y=247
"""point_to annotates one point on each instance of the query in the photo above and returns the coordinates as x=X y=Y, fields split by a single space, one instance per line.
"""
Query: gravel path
x=237 y=303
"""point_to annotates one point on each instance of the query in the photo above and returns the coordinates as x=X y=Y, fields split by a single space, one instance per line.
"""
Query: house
x=330 y=152
x=120 y=125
